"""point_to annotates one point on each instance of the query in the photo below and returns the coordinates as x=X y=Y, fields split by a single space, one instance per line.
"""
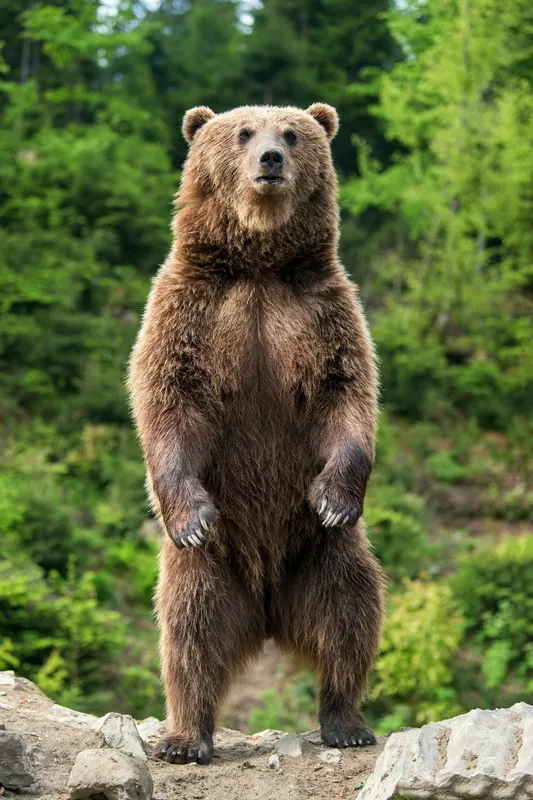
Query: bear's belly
x=264 y=460
x=263 y=455
x=259 y=475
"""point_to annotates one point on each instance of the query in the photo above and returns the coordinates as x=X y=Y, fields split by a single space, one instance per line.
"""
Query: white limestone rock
x=290 y=745
x=110 y=774
x=7 y=677
x=269 y=735
x=330 y=756
x=482 y=754
x=274 y=762
x=150 y=728
x=75 y=719
x=119 y=731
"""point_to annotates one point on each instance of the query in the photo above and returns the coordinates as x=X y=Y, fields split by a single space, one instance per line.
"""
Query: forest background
x=435 y=162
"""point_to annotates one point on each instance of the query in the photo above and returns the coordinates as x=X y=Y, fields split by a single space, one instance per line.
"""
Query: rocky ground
x=262 y=767
x=54 y=753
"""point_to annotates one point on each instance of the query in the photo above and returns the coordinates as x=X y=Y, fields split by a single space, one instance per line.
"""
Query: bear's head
x=261 y=164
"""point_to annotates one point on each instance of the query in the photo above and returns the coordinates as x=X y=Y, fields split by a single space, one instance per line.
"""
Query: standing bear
x=254 y=391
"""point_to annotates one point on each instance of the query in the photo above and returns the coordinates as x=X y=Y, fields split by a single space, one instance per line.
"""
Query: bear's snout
x=271 y=162
x=272 y=159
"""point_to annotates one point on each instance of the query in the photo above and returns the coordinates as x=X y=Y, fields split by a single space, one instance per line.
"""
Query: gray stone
x=330 y=756
x=482 y=754
x=269 y=735
x=119 y=731
x=7 y=677
x=76 y=719
x=274 y=762
x=110 y=774
x=150 y=728
x=37 y=755
x=313 y=736
x=290 y=745
x=227 y=739
x=16 y=770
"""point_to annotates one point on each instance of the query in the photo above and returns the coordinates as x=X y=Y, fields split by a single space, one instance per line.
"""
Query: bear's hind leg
x=330 y=612
x=210 y=626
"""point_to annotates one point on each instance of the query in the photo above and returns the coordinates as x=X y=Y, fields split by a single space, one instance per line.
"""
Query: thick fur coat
x=254 y=390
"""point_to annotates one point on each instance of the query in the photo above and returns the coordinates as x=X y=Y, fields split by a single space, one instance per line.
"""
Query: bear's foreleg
x=346 y=423
x=210 y=626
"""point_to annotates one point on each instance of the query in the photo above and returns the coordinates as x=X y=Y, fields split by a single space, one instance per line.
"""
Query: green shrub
x=293 y=707
x=442 y=466
x=422 y=635
x=397 y=530
x=493 y=587
x=33 y=516
x=413 y=376
x=394 y=513
x=55 y=629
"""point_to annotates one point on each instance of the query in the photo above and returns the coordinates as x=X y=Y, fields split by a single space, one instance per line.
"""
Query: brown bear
x=253 y=386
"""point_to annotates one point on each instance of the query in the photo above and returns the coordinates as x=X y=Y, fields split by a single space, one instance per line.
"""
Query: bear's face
x=260 y=162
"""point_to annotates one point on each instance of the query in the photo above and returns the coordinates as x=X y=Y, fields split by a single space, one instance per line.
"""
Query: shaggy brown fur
x=253 y=387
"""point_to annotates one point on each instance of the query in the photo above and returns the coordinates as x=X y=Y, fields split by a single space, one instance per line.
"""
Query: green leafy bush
x=62 y=636
x=413 y=682
x=394 y=513
x=397 y=530
x=442 y=466
x=493 y=587
x=292 y=708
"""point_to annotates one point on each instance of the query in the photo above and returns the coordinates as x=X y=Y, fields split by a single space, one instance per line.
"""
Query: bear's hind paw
x=175 y=750
x=348 y=737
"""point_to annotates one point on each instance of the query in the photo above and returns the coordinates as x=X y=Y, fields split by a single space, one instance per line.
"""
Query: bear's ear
x=193 y=121
x=326 y=116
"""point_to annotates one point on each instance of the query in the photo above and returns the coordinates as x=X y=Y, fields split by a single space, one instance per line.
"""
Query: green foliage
x=291 y=708
x=57 y=625
x=454 y=320
x=394 y=512
x=422 y=636
x=395 y=517
x=493 y=587
x=441 y=465
x=87 y=185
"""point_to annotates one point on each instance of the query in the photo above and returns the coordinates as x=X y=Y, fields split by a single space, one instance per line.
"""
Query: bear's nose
x=272 y=158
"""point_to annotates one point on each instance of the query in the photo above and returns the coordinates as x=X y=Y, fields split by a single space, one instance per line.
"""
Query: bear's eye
x=290 y=137
x=245 y=135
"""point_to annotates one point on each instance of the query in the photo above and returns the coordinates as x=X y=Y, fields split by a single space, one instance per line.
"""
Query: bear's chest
x=268 y=339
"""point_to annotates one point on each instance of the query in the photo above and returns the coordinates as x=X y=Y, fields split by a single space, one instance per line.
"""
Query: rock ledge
x=482 y=754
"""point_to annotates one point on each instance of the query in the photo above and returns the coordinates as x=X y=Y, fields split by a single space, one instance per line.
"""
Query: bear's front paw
x=192 y=531
x=333 y=506
x=334 y=513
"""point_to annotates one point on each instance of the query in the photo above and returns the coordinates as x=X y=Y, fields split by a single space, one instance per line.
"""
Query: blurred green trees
x=457 y=318
x=435 y=157
x=86 y=191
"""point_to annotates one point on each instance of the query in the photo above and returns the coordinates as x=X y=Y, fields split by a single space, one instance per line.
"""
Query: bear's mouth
x=269 y=179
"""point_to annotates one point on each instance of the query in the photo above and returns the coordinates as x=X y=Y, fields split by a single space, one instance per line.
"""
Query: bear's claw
x=333 y=515
x=178 y=751
x=189 y=537
x=194 y=534
x=354 y=737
